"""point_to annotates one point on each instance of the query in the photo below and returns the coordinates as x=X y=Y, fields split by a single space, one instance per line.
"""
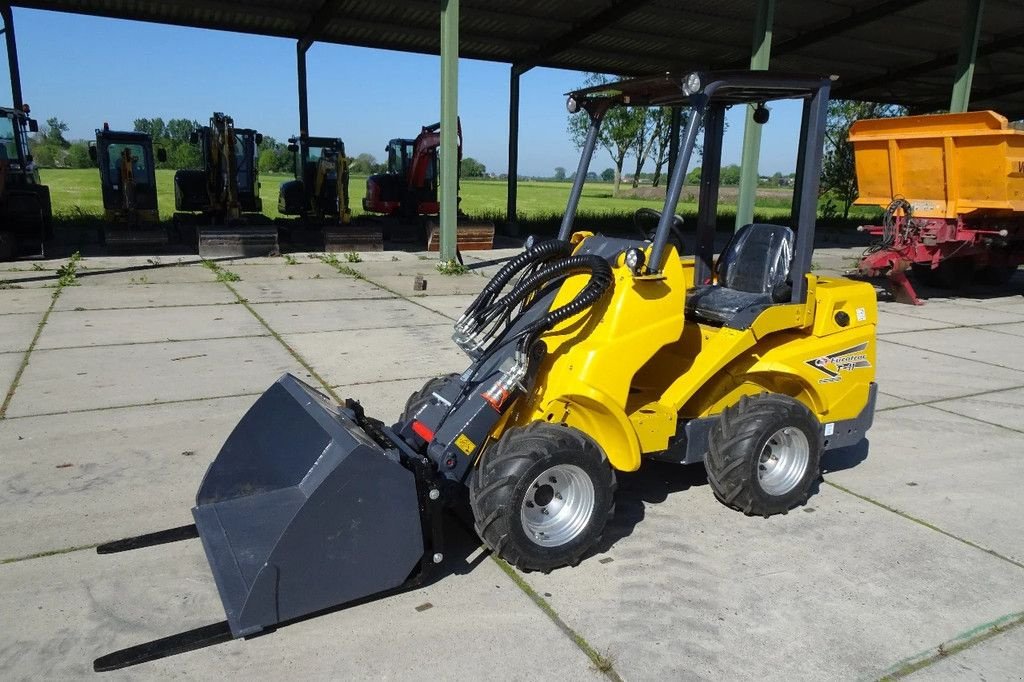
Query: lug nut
x=544 y=511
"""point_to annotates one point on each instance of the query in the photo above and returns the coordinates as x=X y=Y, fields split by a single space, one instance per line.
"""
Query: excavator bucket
x=303 y=510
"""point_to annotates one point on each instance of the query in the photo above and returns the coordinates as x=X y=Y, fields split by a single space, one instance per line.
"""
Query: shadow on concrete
x=841 y=459
x=653 y=483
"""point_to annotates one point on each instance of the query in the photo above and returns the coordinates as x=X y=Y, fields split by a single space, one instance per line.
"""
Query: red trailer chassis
x=953 y=249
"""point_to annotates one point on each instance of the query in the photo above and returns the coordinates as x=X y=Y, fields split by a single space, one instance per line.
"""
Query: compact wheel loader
x=588 y=356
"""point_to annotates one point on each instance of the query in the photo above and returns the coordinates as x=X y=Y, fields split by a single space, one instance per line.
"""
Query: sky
x=90 y=70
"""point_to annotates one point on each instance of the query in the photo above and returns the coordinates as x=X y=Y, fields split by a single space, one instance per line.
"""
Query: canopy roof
x=729 y=87
x=901 y=51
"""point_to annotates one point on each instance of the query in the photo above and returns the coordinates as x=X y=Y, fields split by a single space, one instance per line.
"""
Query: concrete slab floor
x=1005 y=408
x=68 y=329
x=916 y=460
x=145 y=275
x=358 y=357
x=274 y=272
x=17 y=301
x=112 y=376
x=450 y=306
x=437 y=284
x=9 y=364
x=312 y=316
x=965 y=342
x=98 y=297
x=61 y=612
x=698 y=591
x=17 y=330
x=998 y=658
x=326 y=289
x=920 y=375
x=955 y=312
x=89 y=477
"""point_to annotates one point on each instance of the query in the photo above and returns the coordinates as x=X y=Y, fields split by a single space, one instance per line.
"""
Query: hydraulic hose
x=551 y=248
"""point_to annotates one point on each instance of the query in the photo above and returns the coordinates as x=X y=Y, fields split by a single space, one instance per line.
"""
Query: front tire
x=542 y=495
x=764 y=454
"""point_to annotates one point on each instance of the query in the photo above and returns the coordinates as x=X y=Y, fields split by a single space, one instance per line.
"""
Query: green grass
x=76 y=197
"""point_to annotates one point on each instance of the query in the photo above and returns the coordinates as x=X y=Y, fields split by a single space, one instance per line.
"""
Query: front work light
x=635 y=259
x=692 y=84
x=572 y=105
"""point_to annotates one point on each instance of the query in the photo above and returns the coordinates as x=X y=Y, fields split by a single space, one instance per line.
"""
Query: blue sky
x=87 y=70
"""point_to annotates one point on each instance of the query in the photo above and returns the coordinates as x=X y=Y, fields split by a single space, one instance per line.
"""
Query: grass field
x=76 y=195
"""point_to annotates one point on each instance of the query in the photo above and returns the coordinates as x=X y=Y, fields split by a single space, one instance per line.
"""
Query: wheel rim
x=783 y=461
x=558 y=505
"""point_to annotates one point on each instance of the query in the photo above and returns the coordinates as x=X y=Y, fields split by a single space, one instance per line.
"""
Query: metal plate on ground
x=242 y=242
x=352 y=237
x=136 y=237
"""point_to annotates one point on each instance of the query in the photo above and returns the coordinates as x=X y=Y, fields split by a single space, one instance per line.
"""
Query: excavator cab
x=25 y=213
x=128 y=185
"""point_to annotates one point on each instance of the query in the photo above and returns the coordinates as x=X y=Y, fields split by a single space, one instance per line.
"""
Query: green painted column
x=759 y=58
x=970 y=28
x=449 y=188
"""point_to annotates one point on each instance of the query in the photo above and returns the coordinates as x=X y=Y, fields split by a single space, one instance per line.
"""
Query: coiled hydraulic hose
x=552 y=248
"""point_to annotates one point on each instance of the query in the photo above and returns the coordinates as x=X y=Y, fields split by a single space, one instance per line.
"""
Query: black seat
x=752 y=270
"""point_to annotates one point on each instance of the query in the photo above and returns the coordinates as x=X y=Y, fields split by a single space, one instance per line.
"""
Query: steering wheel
x=675 y=227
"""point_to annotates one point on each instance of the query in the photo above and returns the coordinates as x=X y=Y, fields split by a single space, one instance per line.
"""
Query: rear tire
x=764 y=454
x=542 y=495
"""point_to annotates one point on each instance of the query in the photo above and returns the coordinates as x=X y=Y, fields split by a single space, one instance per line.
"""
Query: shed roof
x=901 y=51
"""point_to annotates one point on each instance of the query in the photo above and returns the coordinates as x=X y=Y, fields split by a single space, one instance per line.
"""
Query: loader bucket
x=302 y=511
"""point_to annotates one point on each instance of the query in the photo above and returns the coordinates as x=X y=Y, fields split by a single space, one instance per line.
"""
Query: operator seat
x=753 y=270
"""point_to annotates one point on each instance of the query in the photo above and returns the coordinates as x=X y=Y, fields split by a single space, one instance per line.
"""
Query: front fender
x=599 y=419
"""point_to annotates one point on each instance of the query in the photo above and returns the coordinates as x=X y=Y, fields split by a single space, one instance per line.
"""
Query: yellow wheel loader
x=588 y=356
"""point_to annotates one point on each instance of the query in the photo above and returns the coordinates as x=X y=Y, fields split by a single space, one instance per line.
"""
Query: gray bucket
x=302 y=511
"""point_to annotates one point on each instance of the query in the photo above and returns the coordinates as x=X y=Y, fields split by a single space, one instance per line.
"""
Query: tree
x=78 y=155
x=838 y=173
x=729 y=175
x=618 y=130
x=471 y=168
x=608 y=174
x=364 y=164
x=693 y=177
x=54 y=131
x=559 y=173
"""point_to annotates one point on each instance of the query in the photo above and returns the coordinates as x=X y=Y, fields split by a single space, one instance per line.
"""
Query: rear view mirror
x=33 y=125
x=193 y=138
x=259 y=138
x=161 y=155
x=293 y=147
x=92 y=152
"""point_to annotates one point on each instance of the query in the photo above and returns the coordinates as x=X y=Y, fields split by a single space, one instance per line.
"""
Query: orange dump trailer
x=952 y=186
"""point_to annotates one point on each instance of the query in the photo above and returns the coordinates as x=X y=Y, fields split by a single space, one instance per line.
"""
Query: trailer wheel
x=995 y=275
x=952 y=273
x=764 y=454
x=542 y=495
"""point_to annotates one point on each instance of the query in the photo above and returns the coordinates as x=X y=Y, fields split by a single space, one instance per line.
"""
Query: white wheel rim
x=558 y=505
x=783 y=461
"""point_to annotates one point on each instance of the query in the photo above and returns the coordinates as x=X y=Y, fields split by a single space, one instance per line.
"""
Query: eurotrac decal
x=834 y=364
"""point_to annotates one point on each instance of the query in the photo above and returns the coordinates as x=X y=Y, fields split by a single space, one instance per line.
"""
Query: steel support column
x=971 y=28
x=759 y=58
x=300 y=62
x=12 y=54
x=513 y=147
x=449 y=189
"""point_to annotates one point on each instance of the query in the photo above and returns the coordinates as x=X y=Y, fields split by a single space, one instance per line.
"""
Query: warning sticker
x=465 y=444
